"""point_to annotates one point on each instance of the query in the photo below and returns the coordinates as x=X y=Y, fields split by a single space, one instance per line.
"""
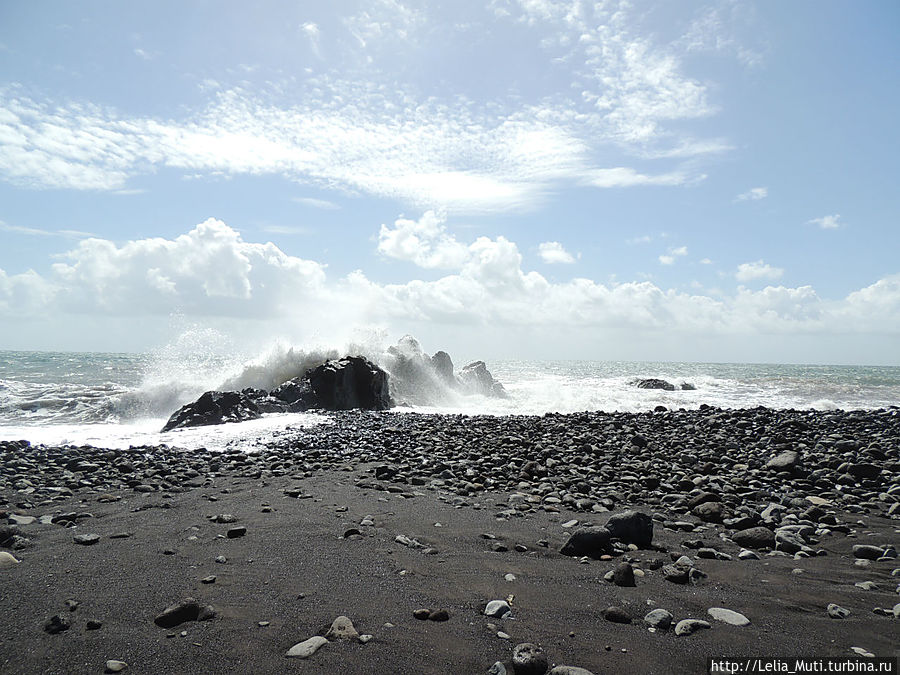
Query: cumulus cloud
x=424 y=242
x=552 y=252
x=831 y=222
x=212 y=272
x=751 y=271
x=207 y=271
x=753 y=194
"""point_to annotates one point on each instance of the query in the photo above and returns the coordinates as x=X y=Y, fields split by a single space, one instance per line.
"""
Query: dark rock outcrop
x=349 y=383
x=338 y=384
x=654 y=383
x=476 y=378
x=214 y=407
x=443 y=366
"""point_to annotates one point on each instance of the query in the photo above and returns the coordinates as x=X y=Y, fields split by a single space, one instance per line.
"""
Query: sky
x=551 y=179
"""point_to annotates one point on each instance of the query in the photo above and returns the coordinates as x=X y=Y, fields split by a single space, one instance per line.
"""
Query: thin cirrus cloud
x=385 y=138
x=316 y=203
x=212 y=271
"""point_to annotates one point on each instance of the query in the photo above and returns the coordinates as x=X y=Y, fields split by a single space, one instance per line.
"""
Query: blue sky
x=526 y=178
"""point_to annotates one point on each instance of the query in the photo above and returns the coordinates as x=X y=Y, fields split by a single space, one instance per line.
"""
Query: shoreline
x=327 y=510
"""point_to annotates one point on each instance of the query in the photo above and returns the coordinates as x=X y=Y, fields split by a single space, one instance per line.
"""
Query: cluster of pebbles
x=771 y=482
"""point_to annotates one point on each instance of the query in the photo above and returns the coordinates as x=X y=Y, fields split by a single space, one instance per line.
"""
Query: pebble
x=211 y=579
x=570 y=670
x=688 y=626
x=114 y=666
x=659 y=618
x=305 y=649
x=863 y=652
x=509 y=577
x=56 y=624
x=529 y=659
x=93 y=624
x=439 y=615
x=623 y=575
x=86 y=539
x=7 y=560
x=837 y=612
x=235 y=532
x=342 y=628
x=497 y=608
x=616 y=615
x=497 y=669
x=422 y=614
x=728 y=616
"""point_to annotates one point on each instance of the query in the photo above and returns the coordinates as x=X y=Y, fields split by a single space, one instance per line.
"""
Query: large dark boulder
x=348 y=383
x=214 y=407
x=476 y=378
x=631 y=527
x=654 y=383
x=592 y=542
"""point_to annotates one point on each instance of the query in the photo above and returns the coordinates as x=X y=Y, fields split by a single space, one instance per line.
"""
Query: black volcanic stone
x=186 y=610
x=631 y=527
x=754 y=537
x=592 y=542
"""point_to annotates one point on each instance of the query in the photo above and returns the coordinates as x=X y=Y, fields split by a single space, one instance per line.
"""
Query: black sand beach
x=378 y=515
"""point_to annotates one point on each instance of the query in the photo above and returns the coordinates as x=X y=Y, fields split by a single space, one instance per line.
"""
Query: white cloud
x=751 y=271
x=753 y=194
x=208 y=271
x=38 y=232
x=626 y=177
x=706 y=261
x=673 y=254
x=716 y=29
x=212 y=272
x=287 y=229
x=316 y=203
x=386 y=136
x=311 y=31
x=831 y=222
x=424 y=242
x=643 y=239
x=552 y=252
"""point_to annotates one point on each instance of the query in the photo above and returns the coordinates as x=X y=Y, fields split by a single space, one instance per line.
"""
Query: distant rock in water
x=687 y=386
x=338 y=384
x=407 y=376
x=653 y=383
x=443 y=366
x=477 y=378
x=419 y=379
x=214 y=407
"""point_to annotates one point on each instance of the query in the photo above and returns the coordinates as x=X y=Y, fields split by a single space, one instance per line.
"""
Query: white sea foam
x=246 y=435
x=119 y=400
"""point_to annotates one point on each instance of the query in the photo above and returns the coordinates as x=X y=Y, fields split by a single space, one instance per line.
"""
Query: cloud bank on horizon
x=609 y=176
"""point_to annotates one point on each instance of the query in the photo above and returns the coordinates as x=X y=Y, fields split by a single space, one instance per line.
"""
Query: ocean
x=118 y=400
